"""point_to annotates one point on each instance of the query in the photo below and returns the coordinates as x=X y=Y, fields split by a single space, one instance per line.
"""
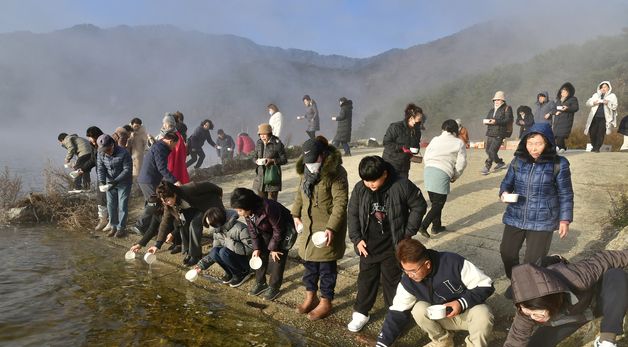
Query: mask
x=270 y=113
x=313 y=167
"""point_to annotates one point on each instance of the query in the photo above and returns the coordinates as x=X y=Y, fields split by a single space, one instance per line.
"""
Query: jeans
x=387 y=272
x=492 y=147
x=191 y=234
x=433 y=216
x=345 y=146
x=118 y=205
x=537 y=246
x=326 y=271
x=234 y=264
x=194 y=155
x=597 y=132
x=276 y=269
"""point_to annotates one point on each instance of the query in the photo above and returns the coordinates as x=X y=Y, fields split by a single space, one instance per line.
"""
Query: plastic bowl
x=130 y=255
x=435 y=312
x=150 y=258
x=319 y=239
x=255 y=263
x=191 y=275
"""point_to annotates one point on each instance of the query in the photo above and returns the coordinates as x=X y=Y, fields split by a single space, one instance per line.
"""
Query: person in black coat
x=623 y=129
x=343 y=132
x=525 y=119
x=566 y=107
x=403 y=139
x=196 y=142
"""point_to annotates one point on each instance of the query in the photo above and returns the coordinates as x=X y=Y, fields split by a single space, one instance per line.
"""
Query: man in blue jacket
x=439 y=278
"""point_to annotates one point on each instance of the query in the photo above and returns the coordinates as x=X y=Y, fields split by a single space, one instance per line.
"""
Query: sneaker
x=226 y=278
x=499 y=166
x=485 y=171
x=562 y=150
x=191 y=261
x=424 y=232
x=174 y=249
x=237 y=281
x=259 y=289
x=436 y=230
x=112 y=232
x=121 y=233
x=271 y=293
x=358 y=321
x=107 y=227
x=598 y=343
x=136 y=230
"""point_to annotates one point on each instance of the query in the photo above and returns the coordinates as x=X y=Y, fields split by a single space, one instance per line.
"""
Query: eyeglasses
x=541 y=315
x=413 y=272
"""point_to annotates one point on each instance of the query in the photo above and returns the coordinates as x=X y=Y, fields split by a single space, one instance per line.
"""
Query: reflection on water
x=62 y=288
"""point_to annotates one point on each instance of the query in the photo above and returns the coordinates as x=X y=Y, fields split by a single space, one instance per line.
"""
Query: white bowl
x=261 y=161
x=103 y=188
x=511 y=197
x=191 y=275
x=150 y=258
x=414 y=150
x=486 y=121
x=130 y=255
x=319 y=239
x=436 y=312
x=255 y=263
x=74 y=174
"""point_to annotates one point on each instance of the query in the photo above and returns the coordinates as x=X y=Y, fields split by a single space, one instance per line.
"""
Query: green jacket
x=327 y=209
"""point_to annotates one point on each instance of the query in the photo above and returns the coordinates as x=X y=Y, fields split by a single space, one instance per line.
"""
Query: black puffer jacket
x=623 y=126
x=502 y=117
x=563 y=120
x=399 y=135
x=343 y=133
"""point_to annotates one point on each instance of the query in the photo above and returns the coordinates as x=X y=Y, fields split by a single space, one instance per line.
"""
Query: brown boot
x=321 y=311
x=311 y=300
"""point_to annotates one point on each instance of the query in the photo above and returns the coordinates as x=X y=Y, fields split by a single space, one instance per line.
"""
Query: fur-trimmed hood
x=331 y=163
x=570 y=89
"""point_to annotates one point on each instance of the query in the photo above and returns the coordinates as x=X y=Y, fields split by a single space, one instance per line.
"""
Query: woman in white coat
x=602 y=116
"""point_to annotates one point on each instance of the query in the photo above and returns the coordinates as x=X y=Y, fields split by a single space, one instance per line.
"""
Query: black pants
x=434 y=214
x=537 y=246
x=275 y=268
x=388 y=272
x=326 y=271
x=85 y=163
x=196 y=153
x=560 y=142
x=492 y=147
x=311 y=134
x=611 y=305
x=191 y=234
x=150 y=208
x=597 y=132
x=269 y=195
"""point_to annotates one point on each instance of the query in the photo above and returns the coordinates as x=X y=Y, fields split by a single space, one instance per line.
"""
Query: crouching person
x=232 y=246
x=439 y=278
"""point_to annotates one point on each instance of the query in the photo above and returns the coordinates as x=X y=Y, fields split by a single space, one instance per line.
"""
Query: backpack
x=511 y=121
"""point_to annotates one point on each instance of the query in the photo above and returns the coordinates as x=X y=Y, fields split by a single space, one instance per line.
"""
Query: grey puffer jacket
x=540 y=110
x=234 y=235
x=577 y=280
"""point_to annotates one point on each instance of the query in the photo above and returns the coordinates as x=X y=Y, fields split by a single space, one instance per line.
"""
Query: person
x=311 y=115
x=180 y=125
x=566 y=106
x=92 y=133
x=544 y=108
x=320 y=204
x=137 y=144
x=561 y=297
x=115 y=171
x=276 y=118
x=232 y=246
x=623 y=129
x=224 y=146
x=403 y=140
x=545 y=203
x=269 y=151
x=121 y=136
x=344 y=119
x=602 y=116
x=268 y=223
x=244 y=144
x=431 y=278
x=184 y=207
x=463 y=133
x=176 y=158
x=496 y=121
x=196 y=141
x=81 y=148
x=525 y=119
x=445 y=159
x=384 y=208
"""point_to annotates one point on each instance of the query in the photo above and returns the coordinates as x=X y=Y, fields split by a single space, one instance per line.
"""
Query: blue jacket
x=116 y=168
x=155 y=165
x=544 y=186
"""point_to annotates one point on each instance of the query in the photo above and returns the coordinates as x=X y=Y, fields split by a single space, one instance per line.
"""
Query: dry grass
x=10 y=188
x=618 y=213
x=578 y=140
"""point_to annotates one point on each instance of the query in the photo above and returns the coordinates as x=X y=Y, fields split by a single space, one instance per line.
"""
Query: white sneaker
x=358 y=322
x=107 y=227
x=562 y=150
x=597 y=343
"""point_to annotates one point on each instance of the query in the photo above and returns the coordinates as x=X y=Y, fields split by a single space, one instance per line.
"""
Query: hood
x=610 y=87
x=545 y=93
x=525 y=109
x=570 y=89
x=545 y=130
x=348 y=104
x=330 y=166
x=531 y=281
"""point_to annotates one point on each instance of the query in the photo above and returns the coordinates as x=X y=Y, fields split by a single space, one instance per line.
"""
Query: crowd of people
x=381 y=216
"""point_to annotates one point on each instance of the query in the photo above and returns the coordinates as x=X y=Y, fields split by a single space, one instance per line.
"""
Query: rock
x=620 y=241
x=372 y=142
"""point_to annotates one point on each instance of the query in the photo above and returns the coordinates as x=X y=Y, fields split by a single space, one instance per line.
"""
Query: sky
x=354 y=28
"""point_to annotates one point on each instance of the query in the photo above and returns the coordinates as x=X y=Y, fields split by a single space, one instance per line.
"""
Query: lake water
x=61 y=288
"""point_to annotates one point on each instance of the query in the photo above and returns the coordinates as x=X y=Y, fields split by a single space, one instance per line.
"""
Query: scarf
x=309 y=181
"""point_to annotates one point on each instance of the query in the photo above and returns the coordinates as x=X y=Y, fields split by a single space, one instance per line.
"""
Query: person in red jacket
x=244 y=144
x=176 y=158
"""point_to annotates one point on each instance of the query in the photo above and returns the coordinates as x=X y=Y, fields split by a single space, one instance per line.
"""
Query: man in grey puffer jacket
x=544 y=108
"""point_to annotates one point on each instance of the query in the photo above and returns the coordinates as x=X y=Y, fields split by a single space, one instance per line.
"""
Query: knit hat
x=104 y=141
x=264 y=128
x=499 y=95
x=311 y=150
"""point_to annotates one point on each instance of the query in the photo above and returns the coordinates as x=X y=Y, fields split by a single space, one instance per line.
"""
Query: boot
x=311 y=301
x=321 y=311
x=113 y=231
x=103 y=218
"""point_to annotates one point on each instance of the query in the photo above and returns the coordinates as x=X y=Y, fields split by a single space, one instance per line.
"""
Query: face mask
x=270 y=113
x=313 y=167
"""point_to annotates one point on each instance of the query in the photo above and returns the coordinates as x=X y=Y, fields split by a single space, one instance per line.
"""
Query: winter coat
x=545 y=196
x=344 y=119
x=233 y=234
x=311 y=115
x=116 y=168
x=327 y=209
x=399 y=135
x=563 y=120
x=525 y=122
x=76 y=146
x=275 y=123
x=272 y=221
x=183 y=130
x=198 y=139
x=405 y=208
x=272 y=150
x=227 y=147
x=540 y=110
x=155 y=166
x=449 y=270
x=137 y=144
x=502 y=117
x=447 y=153
x=623 y=126
x=610 y=109
x=577 y=280
x=176 y=161
x=244 y=144
x=121 y=137
x=198 y=195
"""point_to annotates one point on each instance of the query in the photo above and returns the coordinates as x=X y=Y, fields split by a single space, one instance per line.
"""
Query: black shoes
x=436 y=230
x=174 y=249
x=424 y=232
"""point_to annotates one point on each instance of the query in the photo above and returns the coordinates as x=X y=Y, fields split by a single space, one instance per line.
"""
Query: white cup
x=319 y=239
x=150 y=258
x=486 y=121
x=333 y=118
x=191 y=275
x=104 y=187
x=511 y=197
x=414 y=150
x=261 y=161
x=255 y=263
x=130 y=255
x=436 y=312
